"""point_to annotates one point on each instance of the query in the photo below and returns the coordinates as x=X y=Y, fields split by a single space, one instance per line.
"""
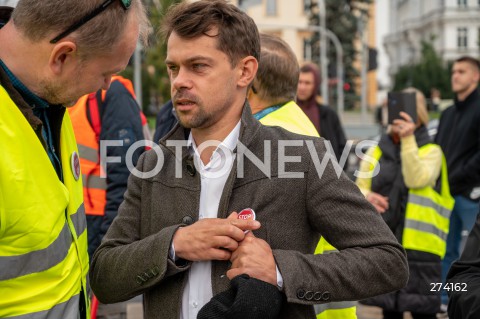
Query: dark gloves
x=247 y=298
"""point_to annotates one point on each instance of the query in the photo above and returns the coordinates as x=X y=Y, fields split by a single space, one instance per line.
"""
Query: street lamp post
x=323 y=51
x=137 y=74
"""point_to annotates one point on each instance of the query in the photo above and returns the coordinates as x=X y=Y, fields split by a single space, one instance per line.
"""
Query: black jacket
x=331 y=129
x=465 y=274
x=459 y=136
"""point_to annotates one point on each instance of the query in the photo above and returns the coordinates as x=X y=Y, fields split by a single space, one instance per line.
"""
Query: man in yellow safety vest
x=46 y=62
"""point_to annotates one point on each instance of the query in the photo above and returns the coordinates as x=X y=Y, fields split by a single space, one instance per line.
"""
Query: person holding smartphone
x=404 y=190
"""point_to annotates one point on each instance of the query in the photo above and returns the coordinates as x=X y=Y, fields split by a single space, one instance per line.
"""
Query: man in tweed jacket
x=176 y=238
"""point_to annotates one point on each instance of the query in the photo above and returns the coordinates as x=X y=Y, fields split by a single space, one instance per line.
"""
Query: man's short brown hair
x=278 y=70
x=41 y=20
x=237 y=33
x=470 y=60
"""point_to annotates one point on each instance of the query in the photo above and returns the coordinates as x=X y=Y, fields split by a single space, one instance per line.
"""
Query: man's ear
x=247 y=68
x=62 y=56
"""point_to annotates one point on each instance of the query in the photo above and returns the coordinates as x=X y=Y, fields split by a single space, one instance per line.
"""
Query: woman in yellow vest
x=408 y=185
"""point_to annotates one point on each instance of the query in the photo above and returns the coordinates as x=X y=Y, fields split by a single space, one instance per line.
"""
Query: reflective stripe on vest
x=40 y=260
x=337 y=310
x=43 y=242
x=427 y=214
x=66 y=310
x=291 y=117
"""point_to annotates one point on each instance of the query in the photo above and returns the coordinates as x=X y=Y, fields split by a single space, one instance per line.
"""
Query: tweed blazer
x=295 y=205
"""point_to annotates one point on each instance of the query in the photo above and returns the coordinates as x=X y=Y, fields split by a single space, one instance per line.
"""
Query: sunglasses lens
x=126 y=3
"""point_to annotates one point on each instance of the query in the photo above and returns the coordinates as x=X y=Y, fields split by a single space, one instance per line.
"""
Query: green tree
x=155 y=82
x=343 y=19
x=430 y=72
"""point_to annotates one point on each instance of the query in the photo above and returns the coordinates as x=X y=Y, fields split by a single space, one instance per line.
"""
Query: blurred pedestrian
x=435 y=98
x=177 y=238
x=463 y=280
x=459 y=136
x=324 y=118
x=411 y=192
x=52 y=53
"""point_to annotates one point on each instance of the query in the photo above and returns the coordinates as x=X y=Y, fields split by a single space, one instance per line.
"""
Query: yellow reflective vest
x=427 y=214
x=291 y=117
x=43 y=238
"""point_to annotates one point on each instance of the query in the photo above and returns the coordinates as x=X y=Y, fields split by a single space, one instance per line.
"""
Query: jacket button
x=309 y=295
x=300 y=293
x=188 y=220
x=317 y=296
x=326 y=296
x=140 y=280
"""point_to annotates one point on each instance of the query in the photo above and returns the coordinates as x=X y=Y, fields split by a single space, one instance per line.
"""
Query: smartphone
x=401 y=102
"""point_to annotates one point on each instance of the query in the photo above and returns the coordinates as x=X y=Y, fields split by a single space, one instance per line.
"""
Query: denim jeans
x=463 y=217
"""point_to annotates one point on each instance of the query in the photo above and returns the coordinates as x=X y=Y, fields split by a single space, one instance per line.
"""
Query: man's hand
x=211 y=238
x=254 y=257
x=378 y=201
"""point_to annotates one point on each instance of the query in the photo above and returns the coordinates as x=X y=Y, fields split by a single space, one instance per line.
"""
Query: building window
x=462 y=38
x=462 y=3
x=307 y=49
x=271 y=7
x=307 y=5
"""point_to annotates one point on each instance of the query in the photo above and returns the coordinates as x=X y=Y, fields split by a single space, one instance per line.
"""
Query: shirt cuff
x=279 y=279
x=171 y=253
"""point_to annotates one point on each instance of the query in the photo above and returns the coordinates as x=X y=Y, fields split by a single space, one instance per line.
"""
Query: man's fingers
x=234 y=272
x=246 y=224
x=220 y=254
x=227 y=243
x=249 y=234
x=233 y=215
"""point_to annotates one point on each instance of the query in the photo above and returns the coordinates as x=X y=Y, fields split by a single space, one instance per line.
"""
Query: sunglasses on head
x=125 y=5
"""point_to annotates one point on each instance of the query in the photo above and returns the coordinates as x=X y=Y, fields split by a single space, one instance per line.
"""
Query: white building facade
x=453 y=26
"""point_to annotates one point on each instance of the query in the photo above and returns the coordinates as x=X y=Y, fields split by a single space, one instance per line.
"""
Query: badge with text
x=75 y=165
x=246 y=214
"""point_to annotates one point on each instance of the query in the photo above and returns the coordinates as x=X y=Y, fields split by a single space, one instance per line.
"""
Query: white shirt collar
x=229 y=143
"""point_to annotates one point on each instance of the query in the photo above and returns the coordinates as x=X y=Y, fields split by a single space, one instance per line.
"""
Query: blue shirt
x=39 y=107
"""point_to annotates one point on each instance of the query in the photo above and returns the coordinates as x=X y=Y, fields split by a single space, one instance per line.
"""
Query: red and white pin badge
x=247 y=214
x=75 y=165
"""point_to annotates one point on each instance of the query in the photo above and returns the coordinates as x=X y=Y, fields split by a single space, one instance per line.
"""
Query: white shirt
x=198 y=290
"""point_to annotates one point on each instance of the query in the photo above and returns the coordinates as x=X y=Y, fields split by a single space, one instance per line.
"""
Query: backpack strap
x=95 y=109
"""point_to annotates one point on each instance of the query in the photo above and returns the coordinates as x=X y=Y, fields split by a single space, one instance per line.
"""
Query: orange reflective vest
x=94 y=176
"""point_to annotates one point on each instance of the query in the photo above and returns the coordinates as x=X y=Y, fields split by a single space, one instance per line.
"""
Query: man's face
x=306 y=86
x=93 y=73
x=464 y=77
x=203 y=82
